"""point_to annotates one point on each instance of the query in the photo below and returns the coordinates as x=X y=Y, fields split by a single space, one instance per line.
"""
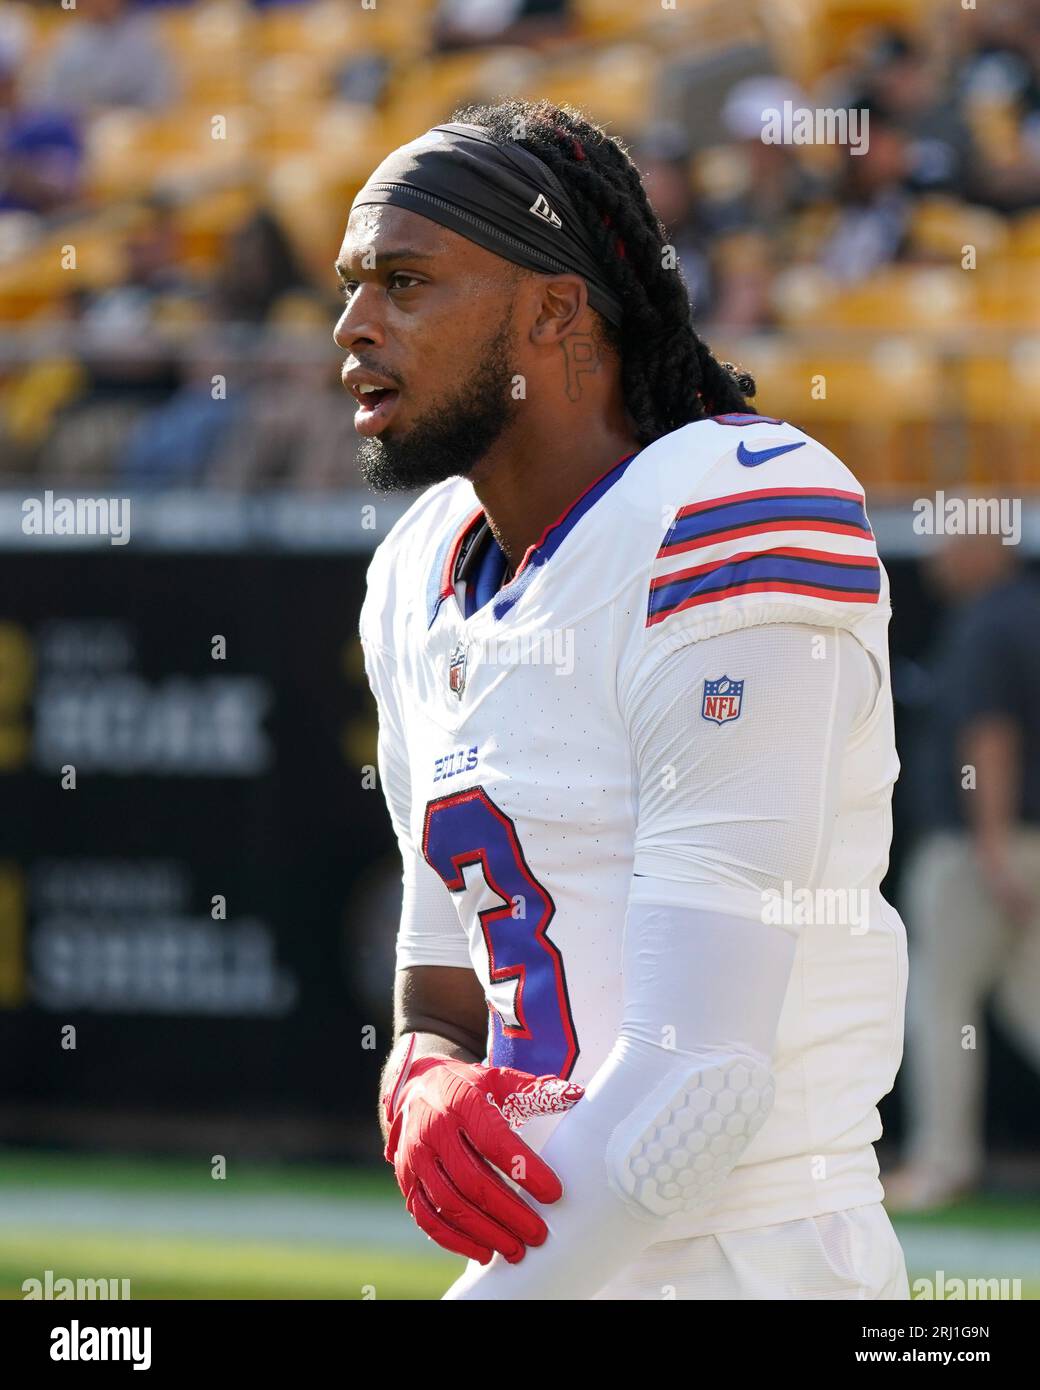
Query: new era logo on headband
x=541 y=209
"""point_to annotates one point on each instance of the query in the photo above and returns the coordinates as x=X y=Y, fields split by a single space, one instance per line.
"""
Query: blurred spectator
x=662 y=155
x=904 y=84
x=176 y=444
x=751 y=190
x=41 y=149
x=764 y=181
x=744 y=273
x=299 y=430
x=125 y=344
x=127 y=356
x=470 y=23
x=973 y=884
x=998 y=86
x=363 y=78
x=111 y=56
x=31 y=397
x=259 y=265
x=747 y=192
x=875 y=208
x=152 y=271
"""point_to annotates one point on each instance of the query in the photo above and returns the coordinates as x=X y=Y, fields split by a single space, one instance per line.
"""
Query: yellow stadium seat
x=204 y=222
x=298 y=29
x=289 y=79
x=944 y=227
x=44 y=25
x=614 y=85
x=400 y=30
x=216 y=26
x=427 y=92
x=614 y=19
x=898 y=299
x=811 y=37
x=132 y=152
x=335 y=134
x=81 y=254
x=1024 y=237
x=211 y=47
x=875 y=408
x=1000 y=396
x=312 y=213
x=1009 y=296
x=331 y=30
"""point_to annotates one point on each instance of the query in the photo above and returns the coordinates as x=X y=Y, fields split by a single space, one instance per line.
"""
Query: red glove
x=447 y=1117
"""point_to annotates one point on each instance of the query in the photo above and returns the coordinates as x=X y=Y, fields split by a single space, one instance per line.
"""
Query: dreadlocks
x=669 y=375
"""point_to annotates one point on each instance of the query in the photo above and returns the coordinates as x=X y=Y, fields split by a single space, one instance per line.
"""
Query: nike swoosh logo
x=752 y=458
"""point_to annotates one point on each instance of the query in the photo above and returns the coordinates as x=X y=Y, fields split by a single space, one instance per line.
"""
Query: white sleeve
x=688 y=1082
x=734 y=809
x=430 y=931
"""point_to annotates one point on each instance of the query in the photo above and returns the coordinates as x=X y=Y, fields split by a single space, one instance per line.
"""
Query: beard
x=450 y=440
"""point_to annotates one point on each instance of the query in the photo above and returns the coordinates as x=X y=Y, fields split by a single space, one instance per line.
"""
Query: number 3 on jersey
x=531 y=1025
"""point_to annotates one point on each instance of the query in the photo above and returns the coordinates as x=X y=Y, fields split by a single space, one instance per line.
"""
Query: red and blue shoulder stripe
x=811 y=541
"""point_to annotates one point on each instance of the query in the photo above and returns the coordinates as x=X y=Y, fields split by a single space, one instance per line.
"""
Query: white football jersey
x=506 y=761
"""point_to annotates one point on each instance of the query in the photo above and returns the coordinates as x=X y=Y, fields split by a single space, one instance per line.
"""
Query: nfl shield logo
x=457 y=670
x=722 y=700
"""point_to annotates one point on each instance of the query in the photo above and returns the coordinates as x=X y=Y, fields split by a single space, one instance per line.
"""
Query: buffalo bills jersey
x=507 y=763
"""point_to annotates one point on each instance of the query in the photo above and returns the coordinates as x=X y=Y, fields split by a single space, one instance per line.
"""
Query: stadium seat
x=1024 y=237
x=614 y=19
x=942 y=227
x=616 y=83
x=427 y=92
x=898 y=299
x=33 y=283
x=816 y=35
x=874 y=409
x=204 y=222
x=319 y=30
x=212 y=49
x=131 y=153
x=1000 y=394
x=1009 y=296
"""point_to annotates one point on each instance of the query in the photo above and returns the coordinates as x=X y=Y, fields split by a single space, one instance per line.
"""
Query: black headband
x=500 y=196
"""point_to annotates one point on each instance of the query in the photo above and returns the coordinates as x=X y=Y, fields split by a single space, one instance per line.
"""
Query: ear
x=562 y=308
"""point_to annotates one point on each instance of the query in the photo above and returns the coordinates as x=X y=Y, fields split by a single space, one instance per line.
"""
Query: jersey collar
x=454 y=548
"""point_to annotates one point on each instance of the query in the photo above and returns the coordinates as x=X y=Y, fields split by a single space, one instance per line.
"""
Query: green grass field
x=163 y=1261
x=334 y=1233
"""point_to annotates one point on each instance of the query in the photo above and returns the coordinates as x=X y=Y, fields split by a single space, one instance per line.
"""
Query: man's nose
x=359 y=322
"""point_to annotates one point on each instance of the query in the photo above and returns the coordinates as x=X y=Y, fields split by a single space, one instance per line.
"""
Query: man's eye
x=399 y=280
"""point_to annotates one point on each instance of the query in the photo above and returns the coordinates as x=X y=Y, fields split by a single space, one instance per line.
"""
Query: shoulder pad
x=763 y=524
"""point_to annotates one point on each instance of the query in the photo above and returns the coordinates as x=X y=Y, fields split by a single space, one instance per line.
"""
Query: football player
x=629 y=650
